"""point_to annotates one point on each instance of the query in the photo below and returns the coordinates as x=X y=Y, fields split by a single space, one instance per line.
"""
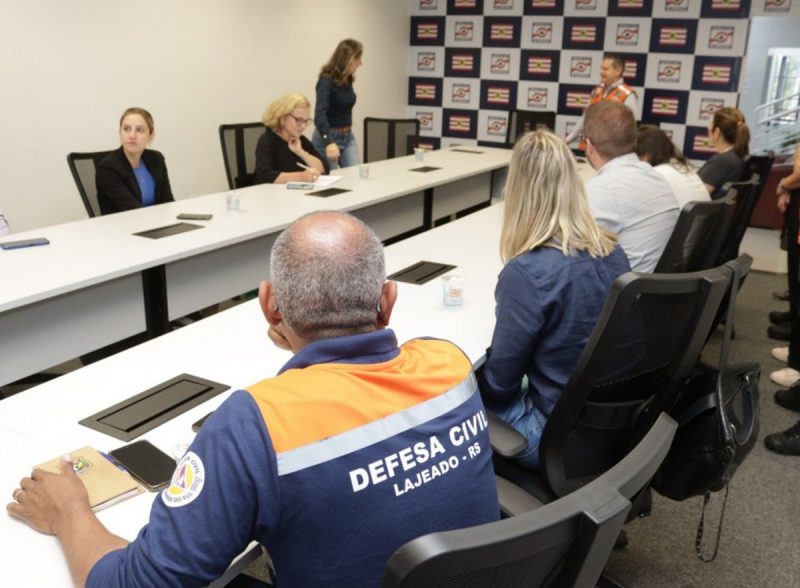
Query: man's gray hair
x=328 y=287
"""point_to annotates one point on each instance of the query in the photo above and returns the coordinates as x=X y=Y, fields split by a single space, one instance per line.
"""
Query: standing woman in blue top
x=333 y=114
x=133 y=175
x=559 y=266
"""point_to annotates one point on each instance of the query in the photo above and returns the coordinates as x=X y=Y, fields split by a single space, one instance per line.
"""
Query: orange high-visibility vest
x=618 y=94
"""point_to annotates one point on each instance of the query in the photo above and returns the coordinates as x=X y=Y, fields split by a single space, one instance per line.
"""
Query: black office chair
x=744 y=196
x=647 y=339
x=385 y=138
x=238 y=143
x=83 y=166
x=696 y=241
x=522 y=121
x=758 y=164
x=564 y=543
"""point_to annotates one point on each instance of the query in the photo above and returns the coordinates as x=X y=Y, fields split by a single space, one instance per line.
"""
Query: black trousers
x=793 y=267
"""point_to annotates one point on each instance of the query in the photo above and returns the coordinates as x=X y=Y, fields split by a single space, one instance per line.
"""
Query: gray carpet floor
x=760 y=543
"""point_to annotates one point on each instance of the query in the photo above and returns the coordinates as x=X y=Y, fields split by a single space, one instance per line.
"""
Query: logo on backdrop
x=540 y=65
x=708 y=106
x=580 y=67
x=583 y=33
x=427 y=4
x=464 y=31
x=425 y=121
x=504 y=4
x=542 y=32
x=669 y=71
x=777 y=5
x=496 y=126
x=627 y=34
x=716 y=73
x=585 y=4
x=461 y=93
x=427 y=30
x=501 y=32
x=720 y=37
x=631 y=69
x=676 y=5
x=500 y=63
x=459 y=124
x=426 y=61
x=537 y=98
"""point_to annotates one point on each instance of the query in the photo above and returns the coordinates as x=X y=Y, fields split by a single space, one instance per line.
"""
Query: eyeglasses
x=301 y=121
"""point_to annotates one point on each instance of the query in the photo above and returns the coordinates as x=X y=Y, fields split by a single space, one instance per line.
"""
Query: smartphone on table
x=147 y=463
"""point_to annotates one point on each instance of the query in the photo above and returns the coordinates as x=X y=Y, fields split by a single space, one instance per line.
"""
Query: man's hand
x=46 y=501
x=783 y=201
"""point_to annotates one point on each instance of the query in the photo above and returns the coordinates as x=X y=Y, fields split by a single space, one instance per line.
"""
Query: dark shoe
x=784 y=295
x=780 y=317
x=789 y=398
x=779 y=332
x=786 y=442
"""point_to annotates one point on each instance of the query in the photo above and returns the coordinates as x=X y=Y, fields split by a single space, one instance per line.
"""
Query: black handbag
x=718 y=423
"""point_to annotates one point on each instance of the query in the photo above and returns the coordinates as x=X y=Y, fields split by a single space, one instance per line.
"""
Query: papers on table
x=325 y=181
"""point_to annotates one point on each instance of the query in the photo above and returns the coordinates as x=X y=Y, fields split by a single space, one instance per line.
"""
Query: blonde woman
x=283 y=154
x=559 y=265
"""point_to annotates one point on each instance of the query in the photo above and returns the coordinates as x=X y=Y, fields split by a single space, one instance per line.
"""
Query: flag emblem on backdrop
x=425 y=121
x=498 y=95
x=720 y=37
x=496 y=126
x=631 y=69
x=540 y=65
x=462 y=62
x=665 y=105
x=702 y=144
x=501 y=32
x=542 y=32
x=726 y=5
x=673 y=36
x=427 y=30
x=461 y=93
x=630 y=3
x=537 y=97
x=459 y=124
x=580 y=67
x=669 y=71
x=543 y=3
x=583 y=33
x=708 y=106
x=577 y=99
x=627 y=34
x=500 y=63
x=716 y=73
x=426 y=61
x=464 y=3
x=425 y=92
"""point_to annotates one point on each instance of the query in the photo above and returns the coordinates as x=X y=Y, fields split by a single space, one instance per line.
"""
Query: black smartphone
x=25 y=243
x=145 y=462
x=196 y=425
x=194 y=216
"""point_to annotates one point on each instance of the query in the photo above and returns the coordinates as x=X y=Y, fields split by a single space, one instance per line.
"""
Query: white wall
x=69 y=68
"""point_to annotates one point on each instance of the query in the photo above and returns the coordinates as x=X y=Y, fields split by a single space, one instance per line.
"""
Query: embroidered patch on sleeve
x=187 y=482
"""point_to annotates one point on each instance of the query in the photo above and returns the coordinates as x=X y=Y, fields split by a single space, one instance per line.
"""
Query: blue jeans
x=526 y=418
x=348 y=148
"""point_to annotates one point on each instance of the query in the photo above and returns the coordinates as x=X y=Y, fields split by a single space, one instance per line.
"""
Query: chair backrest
x=564 y=543
x=385 y=138
x=522 y=121
x=83 y=166
x=647 y=339
x=744 y=196
x=697 y=239
x=238 y=143
x=757 y=164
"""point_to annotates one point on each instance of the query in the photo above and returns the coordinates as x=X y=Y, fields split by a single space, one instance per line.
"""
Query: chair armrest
x=505 y=441
x=513 y=499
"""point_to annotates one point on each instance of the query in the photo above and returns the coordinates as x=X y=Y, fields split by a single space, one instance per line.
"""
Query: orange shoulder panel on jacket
x=302 y=406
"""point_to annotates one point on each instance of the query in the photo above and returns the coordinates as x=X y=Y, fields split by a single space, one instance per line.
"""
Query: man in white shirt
x=627 y=195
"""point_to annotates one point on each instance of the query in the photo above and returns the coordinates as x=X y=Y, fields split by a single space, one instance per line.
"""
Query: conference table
x=232 y=348
x=98 y=283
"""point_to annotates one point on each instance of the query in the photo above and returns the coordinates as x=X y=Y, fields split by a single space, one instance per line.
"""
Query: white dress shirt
x=633 y=200
x=686 y=184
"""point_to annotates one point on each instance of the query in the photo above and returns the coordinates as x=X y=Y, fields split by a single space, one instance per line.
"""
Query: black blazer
x=117 y=188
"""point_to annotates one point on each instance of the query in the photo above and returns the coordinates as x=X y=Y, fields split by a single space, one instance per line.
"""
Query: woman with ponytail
x=730 y=136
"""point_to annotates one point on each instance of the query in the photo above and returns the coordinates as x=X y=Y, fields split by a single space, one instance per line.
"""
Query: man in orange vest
x=612 y=87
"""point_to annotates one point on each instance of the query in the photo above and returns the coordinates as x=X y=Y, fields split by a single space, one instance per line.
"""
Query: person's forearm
x=85 y=540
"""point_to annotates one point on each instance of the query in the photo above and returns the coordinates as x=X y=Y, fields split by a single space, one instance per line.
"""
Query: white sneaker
x=781 y=354
x=786 y=377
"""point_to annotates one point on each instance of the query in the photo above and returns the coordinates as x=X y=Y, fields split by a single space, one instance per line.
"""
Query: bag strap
x=698 y=540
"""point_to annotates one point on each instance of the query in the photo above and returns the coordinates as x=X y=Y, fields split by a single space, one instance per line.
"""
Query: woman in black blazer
x=133 y=176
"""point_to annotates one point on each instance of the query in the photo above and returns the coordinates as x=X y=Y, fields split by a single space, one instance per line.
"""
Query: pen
x=304 y=166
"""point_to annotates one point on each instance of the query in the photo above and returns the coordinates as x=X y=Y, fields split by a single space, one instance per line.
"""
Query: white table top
x=90 y=251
